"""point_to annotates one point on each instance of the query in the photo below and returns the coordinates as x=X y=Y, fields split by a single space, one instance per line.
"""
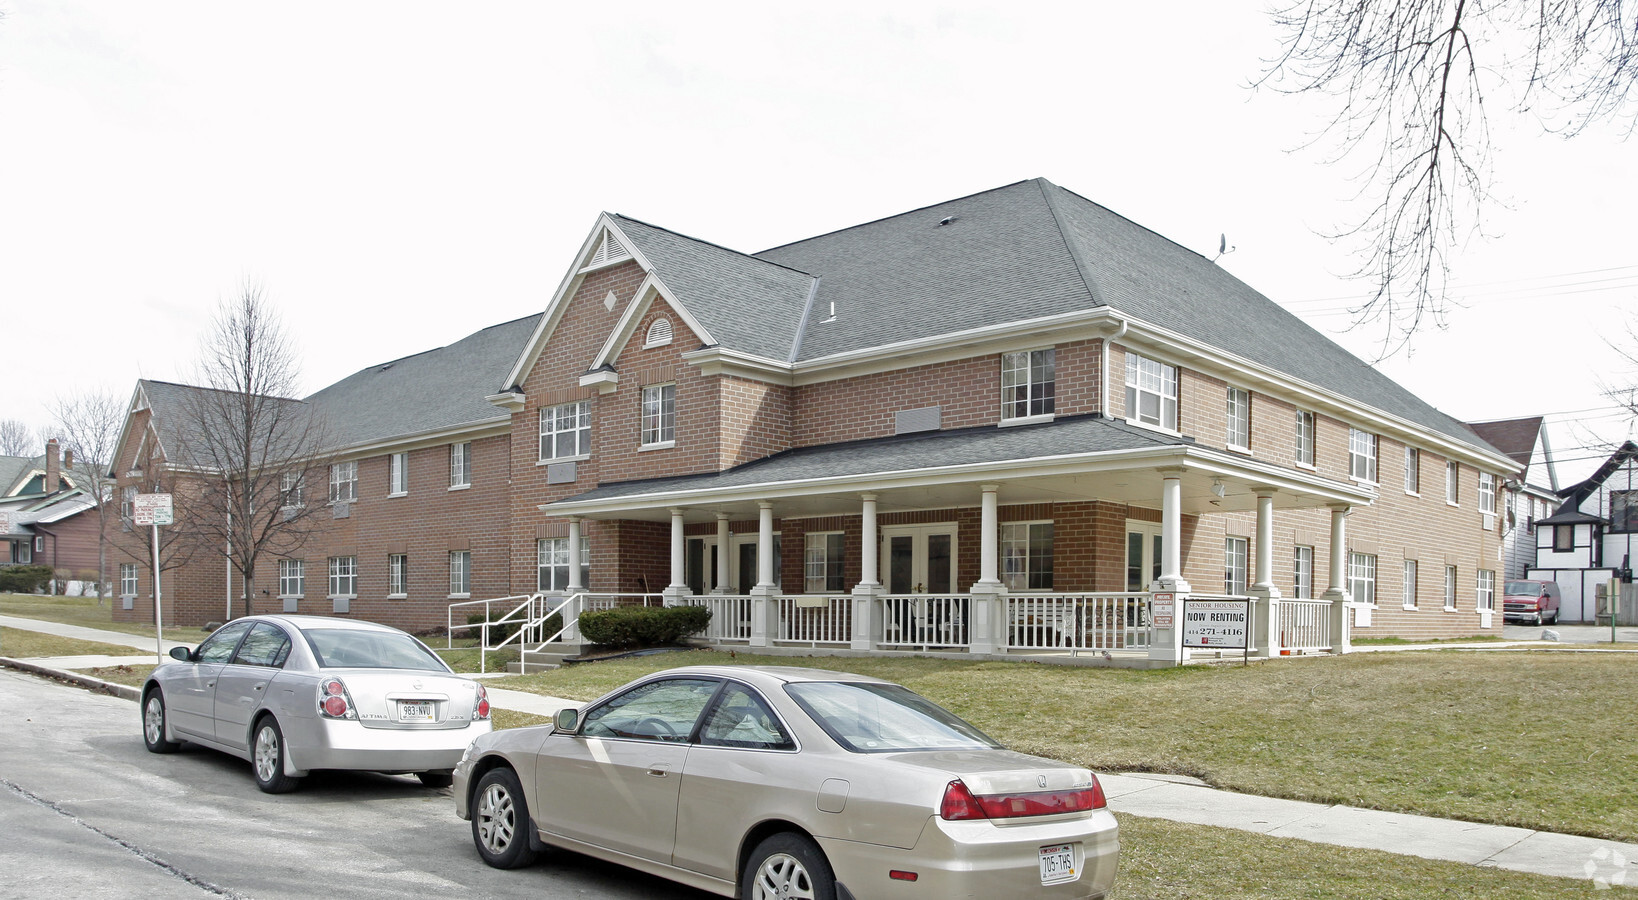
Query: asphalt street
x=87 y=812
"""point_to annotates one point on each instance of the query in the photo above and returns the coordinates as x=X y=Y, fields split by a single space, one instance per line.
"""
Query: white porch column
x=988 y=594
x=677 y=590
x=1169 y=593
x=722 y=554
x=866 y=623
x=1171 y=531
x=575 y=586
x=1266 y=612
x=764 y=596
x=1337 y=593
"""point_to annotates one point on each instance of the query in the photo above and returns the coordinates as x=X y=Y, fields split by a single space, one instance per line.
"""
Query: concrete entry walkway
x=1180 y=799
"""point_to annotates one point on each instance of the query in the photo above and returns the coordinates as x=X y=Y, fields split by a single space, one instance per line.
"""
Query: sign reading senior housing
x=1219 y=624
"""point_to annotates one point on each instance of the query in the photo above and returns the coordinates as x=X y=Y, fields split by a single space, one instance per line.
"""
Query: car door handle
x=659 y=770
x=259 y=686
x=210 y=684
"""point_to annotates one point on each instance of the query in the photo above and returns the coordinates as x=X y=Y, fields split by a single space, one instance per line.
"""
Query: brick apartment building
x=1013 y=394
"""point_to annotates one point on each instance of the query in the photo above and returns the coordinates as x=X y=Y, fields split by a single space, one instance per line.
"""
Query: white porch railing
x=1305 y=625
x=1078 y=622
x=807 y=621
x=924 y=622
x=730 y=617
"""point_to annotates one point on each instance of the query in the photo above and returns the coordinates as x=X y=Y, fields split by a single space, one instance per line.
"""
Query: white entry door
x=1142 y=554
x=920 y=559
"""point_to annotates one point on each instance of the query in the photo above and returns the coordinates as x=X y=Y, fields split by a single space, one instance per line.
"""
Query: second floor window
x=1305 y=437
x=1239 y=418
x=565 y=431
x=1413 y=475
x=460 y=465
x=1361 y=455
x=1487 y=493
x=1453 y=482
x=1151 y=392
x=344 y=482
x=659 y=414
x=293 y=488
x=1028 y=384
x=292 y=577
x=398 y=474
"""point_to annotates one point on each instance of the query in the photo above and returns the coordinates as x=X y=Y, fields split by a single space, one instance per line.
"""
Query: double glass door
x=921 y=559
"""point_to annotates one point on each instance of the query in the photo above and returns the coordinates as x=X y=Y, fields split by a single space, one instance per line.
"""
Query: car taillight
x=961 y=803
x=480 y=706
x=334 y=701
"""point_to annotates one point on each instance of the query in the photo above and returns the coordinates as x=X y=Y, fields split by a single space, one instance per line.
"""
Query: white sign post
x=154 y=510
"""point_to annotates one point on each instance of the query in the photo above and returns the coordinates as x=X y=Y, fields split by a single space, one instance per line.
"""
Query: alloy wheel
x=782 y=877
x=497 y=818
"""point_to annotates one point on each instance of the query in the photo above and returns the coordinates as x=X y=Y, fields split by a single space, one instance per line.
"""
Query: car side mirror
x=566 y=720
x=182 y=653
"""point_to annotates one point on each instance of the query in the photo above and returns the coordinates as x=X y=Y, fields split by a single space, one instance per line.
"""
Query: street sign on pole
x=151 y=509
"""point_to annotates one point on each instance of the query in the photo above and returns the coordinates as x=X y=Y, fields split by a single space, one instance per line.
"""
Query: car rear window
x=347 y=648
x=884 y=718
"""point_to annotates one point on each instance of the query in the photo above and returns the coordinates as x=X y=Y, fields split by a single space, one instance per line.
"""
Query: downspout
x=1103 y=389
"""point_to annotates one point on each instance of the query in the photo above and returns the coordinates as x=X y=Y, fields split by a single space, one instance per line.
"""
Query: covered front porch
x=1038 y=541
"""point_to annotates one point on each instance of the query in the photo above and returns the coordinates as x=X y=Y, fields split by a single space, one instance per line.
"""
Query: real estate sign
x=1218 y=624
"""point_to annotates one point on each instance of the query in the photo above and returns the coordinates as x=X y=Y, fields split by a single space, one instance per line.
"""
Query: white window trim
x=642 y=416
x=1484 y=598
x=1451 y=577
x=541 y=436
x=1229 y=438
x=1313 y=438
x=1453 y=485
x=404 y=470
x=466 y=466
x=1374 y=459
x=1408 y=585
x=1001 y=549
x=1375 y=579
x=398 y=595
x=1243 y=570
x=1417 y=451
x=1029 y=369
x=1132 y=416
x=351 y=467
x=330 y=578
x=807 y=546
x=1300 y=590
x=283 y=595
x=454 y=594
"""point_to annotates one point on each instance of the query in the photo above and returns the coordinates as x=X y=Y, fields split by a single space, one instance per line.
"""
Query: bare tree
x=89 y=425
x=17 y=439
x=249 y=442
x=176 y=548
x=1414 y=77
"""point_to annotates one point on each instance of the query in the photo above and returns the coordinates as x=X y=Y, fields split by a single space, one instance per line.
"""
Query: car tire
x=500 y=820
x=787 y=865
x=155 y=724
x=440 y=779
x=267 y=758
x=1554 y=620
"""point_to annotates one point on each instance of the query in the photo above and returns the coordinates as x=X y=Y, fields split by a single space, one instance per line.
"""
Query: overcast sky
x=398 y=175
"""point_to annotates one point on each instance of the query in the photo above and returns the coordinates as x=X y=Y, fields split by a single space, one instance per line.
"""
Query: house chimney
x=54 y=462
x=68 y=460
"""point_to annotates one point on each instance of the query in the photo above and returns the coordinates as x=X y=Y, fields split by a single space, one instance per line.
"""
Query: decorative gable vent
x=608 y=251
x=659 y=333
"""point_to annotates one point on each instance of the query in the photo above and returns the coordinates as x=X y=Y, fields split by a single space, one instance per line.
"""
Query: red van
x=1535 y=602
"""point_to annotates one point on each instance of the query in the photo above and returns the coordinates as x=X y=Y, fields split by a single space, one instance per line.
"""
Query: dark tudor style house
x=991 y=425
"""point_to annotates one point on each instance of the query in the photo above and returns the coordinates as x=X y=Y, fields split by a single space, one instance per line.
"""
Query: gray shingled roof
x=14 y=471
x=1514 y=437
x=442 y=388
x=910 y=453
x=171 y=405
x=746 y=303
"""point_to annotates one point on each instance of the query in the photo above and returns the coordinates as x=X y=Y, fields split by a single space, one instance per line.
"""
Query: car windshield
x=345 y=647
x=882 y=718
x=1523 y=589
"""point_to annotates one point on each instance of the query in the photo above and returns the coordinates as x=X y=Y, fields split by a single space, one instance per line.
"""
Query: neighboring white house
x=1591 y=538
x=1530 y=494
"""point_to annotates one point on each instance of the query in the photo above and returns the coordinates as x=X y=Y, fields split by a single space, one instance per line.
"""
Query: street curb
x=123 y=691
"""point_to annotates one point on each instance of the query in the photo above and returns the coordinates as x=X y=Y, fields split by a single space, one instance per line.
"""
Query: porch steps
x=541 y=659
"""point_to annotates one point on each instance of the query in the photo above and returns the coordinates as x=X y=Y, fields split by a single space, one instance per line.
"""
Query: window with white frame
x=565 y=431
x=127 y=579
x=1486 y=593
x=397 y=474
x=822 y=563
x=22 y=552
x=1362 y=577
x=1239 y=419
x=1487 y=493
x=1305 y=437
x=460 y=465
x=127 y=502
x=292 y=577
x=344 y=482
x=1234 y=565
x=1361 y=455
x=460 y=573
x=552 y=556
x=397 y=575
x=1410 y=584
x=1450 y=587
x=1151 y=392
x=1027 y=383
x=1302 y=572
x=1026 y=555
x=343 y=576
x=293 y=489
x=1453 y=482
x=1413 y=471
x=659 y=415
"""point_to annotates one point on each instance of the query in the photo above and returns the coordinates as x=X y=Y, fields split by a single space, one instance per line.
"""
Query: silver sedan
x=296 y=693
x=771 y=782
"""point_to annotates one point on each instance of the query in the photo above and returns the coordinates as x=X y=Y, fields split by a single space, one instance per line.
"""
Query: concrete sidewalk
x=1178 y=799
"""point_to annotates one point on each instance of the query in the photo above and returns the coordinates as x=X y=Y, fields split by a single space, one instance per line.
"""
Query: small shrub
x=643 y=626
x=24 y=579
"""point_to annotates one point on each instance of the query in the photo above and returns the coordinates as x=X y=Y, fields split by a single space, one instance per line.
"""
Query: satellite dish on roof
x=1223 y=248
